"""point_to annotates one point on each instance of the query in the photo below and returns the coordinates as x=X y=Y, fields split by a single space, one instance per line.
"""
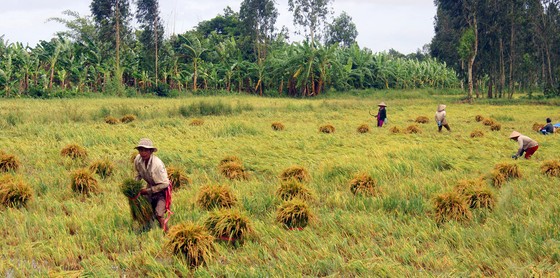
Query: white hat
x=441 y=107
x=514 y=134
x=382 y=104
x=146 y=144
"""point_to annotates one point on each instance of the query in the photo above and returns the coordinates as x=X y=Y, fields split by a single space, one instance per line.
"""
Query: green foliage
x=14 y=192
x=211 y=108
x=191 y=242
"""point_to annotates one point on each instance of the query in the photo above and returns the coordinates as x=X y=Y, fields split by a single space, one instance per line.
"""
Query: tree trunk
x=511 y=55
x=156 y=44
x=472 y=59
x=490 y=85
x=117 y=39
x=502 y=69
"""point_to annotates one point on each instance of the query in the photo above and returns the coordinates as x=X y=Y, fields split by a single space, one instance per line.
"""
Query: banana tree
x=193 y=48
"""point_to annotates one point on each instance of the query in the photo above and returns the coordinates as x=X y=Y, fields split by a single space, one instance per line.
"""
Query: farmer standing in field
x=381 y=114
x=441 y=118
x=151 y=169
x=526 y=145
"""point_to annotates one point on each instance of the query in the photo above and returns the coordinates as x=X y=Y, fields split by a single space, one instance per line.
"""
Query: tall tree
x=342 y=31
x=311 y=15
x=147 y=14
x=258 y=18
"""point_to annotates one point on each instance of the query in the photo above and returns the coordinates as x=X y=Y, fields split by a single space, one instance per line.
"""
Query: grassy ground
x=63 y=234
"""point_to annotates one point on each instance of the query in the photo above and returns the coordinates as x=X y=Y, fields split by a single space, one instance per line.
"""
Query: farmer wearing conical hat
x=526 y=145
x=381 y=114
x=441 y=118
x=151 y=169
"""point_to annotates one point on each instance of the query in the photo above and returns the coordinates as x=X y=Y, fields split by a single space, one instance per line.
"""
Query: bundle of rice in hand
x=140 y=207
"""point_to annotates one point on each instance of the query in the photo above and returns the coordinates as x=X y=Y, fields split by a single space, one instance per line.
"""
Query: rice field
x=395 y=232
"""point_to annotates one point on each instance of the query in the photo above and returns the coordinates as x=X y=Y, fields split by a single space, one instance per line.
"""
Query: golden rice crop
x=229 y=225
x=103 y=167
x=364 y=184
x=111 y=120
x=8 y=162
x=74 y=151
x=394 y=130
x=551 y=168
x=363 y=128
x=413 y=129
x=508 y=170
x=463 y=186
x=488 y=122
x=233 y=171
x=128 y=118
x=197 y=122
x=298 y=173
x=326 y=129
x=479 y=118
x=451 y=206
x=497 y=178
x=291 y=189
x=537 y=126
x=82 y=181
x=140 y=208
x=14 y=192
x=215 y=196
x=294 y=214
x=422 y=120
x=277 y=126
x=496 y=127
x=231 y=158
x=480 y=197
x=192 y=242
x=477 y=134
x=178 y=177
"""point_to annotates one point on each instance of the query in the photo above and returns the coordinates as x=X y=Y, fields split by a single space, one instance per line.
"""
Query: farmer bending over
x=526 y=145
x=441 y=118
x=151 y=169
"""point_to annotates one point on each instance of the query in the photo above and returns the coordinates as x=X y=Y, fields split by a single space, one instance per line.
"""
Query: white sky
x=404 y=25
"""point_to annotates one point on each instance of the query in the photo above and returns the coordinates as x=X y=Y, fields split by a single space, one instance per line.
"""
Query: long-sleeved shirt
x=440 y=117
x=154 y=173
x=525 y=143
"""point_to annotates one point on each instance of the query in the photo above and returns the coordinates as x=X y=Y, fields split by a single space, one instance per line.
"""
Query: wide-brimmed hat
x=441 y=107
x=382 y=104
x=146 y=144
x=514 y=134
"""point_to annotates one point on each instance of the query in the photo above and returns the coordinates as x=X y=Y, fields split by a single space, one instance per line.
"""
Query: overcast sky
x=404 y=25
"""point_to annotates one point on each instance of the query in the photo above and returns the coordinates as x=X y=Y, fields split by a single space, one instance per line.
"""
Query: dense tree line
x=234 y=51
x=500 y=46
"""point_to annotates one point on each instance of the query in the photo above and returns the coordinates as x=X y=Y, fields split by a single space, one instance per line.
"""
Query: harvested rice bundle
x=294 y=214
x=479 y=118
x=363 y=184
x=178 y=177
x=192 y=242
x=537 y=127
x=215 y=196
x=496 y=127
x=422 y=120
x=480 y=197
x=278 y=126
x=229 y=225
x=413 y=129
x=295 y=172
x=394 y=130
x=291 y=189
x=14 y=192
x=8 y=162
x=488 y=122
x=128 y=118
x=463 y=186
x=102 y=167
x=477 y=134
x=140 y=207
x=364 y=128
x=451 y=206
x=74 y=151
x=231 y=158
x=111 y=120
x=508 y=170
x=497 y=178
x=82 y=181
x=197 y=122
x=233 y=171
x=326 y=129
x=551 y=168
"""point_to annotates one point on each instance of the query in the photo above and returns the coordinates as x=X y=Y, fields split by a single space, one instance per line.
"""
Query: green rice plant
x=82 y=181
x=178 y=177
x=508 y=170
x=233 y=170
x=326 y=128
x=103 y=167
x=495 y=127
x=477 y=134
x=551 y=168
x=451 y=206
x=215 y=196
x=488 y=122
x=191 y=242
x=8 y=162
x=128 y=118
x=298 y=173
x=422 y=120
x=537 y=127
x=74 y=151
x=394 y=130
x=14 y=192
x=294 y=214
x=140 y=208
x=497 y=178
x=413 y=129
x=292 y=188
x=197 y=122
x=278 y=126
x=364 y=184
x=479 y=118
x=229 y=225
x=206 y=108
x=480 y=197
x=111 y=120
x=363 y=128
